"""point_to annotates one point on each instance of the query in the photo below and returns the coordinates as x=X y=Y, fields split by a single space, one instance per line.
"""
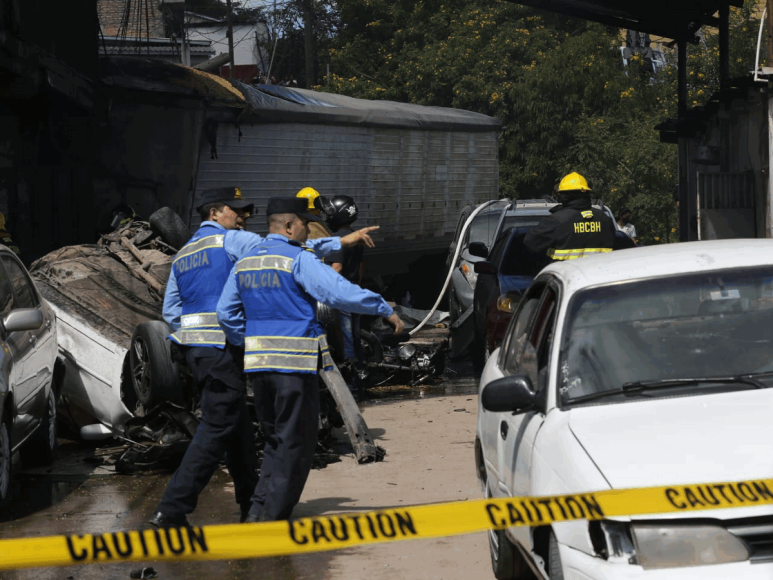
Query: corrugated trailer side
x=411 y=169
x=411 y=183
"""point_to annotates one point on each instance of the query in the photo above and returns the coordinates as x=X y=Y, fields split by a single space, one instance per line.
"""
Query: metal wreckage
x=122 y=380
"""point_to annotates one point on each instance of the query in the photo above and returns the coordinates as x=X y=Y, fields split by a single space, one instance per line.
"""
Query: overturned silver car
x=108 y=300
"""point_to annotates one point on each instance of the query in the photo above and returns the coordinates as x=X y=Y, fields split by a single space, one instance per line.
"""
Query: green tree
x=558 y=85
x=300 y=26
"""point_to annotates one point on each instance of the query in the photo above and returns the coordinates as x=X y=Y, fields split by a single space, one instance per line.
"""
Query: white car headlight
x=674 y=545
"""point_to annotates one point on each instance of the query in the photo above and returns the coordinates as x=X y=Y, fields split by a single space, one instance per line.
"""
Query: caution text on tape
x=236 y=541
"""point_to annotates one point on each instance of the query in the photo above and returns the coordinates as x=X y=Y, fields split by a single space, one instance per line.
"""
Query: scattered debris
x=148 y=572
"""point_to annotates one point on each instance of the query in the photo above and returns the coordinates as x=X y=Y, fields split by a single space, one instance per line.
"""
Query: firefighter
x=574 y=230
x=318 y=229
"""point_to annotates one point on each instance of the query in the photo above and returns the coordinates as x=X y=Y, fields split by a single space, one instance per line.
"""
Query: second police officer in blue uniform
x=199 y=272
x=269 y=305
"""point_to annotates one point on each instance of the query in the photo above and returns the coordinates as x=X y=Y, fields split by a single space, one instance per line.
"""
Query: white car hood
x=686 y=440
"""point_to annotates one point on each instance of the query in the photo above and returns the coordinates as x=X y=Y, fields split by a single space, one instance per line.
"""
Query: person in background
x=269 y=304
x=340 y=212
x=317 y=229
x=624 y=222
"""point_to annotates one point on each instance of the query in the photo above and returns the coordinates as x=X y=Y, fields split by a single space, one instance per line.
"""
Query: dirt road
x=429 y=445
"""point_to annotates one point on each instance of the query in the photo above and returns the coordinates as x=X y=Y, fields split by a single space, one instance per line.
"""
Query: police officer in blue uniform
x=268 y=305
x=199 y=272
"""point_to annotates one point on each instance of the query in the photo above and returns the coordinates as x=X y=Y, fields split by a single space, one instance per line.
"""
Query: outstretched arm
x=325 y=285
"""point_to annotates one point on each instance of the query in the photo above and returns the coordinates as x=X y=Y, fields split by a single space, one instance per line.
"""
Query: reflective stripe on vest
x=281 y=263
x=201 y=328
x=284 y=353
x=575 y=253
x=215 y=241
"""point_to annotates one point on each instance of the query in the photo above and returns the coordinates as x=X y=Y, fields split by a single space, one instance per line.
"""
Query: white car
x=646 y=367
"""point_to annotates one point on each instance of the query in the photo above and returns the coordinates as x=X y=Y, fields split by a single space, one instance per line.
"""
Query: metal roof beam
x=680 y=23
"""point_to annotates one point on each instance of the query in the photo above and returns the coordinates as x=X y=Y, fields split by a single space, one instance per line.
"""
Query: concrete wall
x=148 y=158
x=246 y=50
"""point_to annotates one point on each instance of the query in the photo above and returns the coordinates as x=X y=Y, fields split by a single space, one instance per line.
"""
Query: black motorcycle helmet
x=340 y=211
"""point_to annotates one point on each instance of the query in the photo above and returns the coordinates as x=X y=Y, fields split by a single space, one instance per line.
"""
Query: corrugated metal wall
x=411 y=183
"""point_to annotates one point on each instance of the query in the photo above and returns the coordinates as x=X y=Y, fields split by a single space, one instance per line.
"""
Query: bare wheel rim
x=5 y=461
x=51 y=420
x=141 y=367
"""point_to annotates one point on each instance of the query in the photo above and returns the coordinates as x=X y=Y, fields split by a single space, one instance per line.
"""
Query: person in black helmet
x=340 y=213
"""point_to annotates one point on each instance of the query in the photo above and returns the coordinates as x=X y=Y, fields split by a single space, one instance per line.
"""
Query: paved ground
x=429 y=441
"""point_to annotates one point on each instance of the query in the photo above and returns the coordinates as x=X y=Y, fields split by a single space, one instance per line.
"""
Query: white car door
x=39 y=351
x=495 y=427
x=528 y=355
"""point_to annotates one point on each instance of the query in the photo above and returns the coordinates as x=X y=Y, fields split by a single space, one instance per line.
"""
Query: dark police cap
x=297 y=205
x=231 y=196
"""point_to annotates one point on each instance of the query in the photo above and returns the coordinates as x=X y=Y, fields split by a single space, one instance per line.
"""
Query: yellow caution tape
x=235 y=541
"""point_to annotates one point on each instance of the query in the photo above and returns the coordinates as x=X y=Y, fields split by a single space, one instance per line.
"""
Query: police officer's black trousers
x=287 y=405
x=225 y=429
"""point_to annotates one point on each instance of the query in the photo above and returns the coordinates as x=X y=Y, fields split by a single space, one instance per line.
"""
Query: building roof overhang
x=674 y=19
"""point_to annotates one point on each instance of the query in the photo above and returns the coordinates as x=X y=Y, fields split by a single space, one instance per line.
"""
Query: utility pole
x=230 y=40
x=308 y=36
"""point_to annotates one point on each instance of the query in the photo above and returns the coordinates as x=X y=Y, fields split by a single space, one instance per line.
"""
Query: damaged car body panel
x=99 y=301
x=108 y=298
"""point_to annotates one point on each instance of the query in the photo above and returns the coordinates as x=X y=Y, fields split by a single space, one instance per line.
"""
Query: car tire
x=6 y=463
x=155 y=375
x=555 y=569
x=170 y=226
x=372 y=350
x=506 y=559
x=41 y=447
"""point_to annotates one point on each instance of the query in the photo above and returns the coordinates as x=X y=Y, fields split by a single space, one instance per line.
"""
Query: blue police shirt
x=237 y=243
x=316 y=278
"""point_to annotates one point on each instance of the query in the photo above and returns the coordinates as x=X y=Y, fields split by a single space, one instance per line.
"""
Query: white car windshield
x=680 y=335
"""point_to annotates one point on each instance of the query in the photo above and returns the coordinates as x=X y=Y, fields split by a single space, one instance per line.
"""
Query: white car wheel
x=506 y=560
x=555 y=570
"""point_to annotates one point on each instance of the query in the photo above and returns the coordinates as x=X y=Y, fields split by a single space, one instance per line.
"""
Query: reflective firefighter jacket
x=282 y=333
x=201 y=269
x=574 y=230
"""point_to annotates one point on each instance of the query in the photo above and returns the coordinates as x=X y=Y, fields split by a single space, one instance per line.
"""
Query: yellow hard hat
x=574 y=182
x=310 y=194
